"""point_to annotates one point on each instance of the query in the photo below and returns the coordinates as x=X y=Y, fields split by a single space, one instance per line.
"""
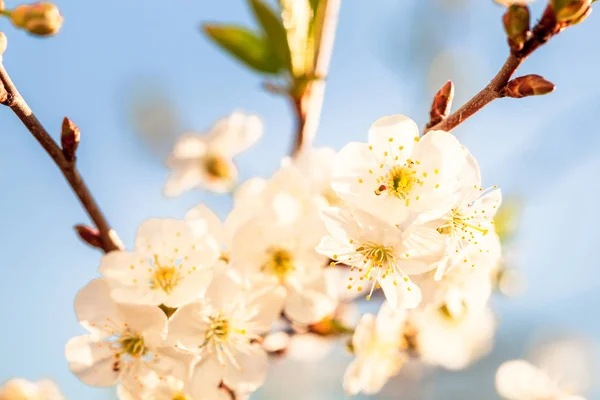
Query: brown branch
x=10 y=96
x=541 y=33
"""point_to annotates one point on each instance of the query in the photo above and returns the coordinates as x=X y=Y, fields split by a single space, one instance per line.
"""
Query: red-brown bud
x=442 y=104
x=69 y=138
x=41 y=19
x=528 y=85
x=89 y=235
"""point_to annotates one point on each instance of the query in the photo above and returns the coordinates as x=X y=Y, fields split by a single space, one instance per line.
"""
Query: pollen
x=280 y=262
x=216 y=166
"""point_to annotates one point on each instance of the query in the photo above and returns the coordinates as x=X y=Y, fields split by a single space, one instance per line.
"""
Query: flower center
x=398 y=182
x=179 y=396
x=217 y=166
x=165 y=278
x=377 y=254
x=458 y=223
x=133 y=346
x=280 y=262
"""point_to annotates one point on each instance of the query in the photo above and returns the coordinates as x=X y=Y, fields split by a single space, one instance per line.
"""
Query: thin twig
x=307 y=108
x=541 y=33
x=10 y=96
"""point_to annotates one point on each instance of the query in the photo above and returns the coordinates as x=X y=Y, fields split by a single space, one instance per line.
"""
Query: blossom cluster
x=184 y=314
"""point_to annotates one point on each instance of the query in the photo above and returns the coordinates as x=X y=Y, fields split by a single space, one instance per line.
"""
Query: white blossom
x=398 y=173
x=168 y=266
x=466 y=284
x=521 y=380
x=222 y=329
x=381 y=254
x=125 y=343
x=207 y=160
x=316 y=166
x=378 y=345
x=453 y=341
x=21 y=389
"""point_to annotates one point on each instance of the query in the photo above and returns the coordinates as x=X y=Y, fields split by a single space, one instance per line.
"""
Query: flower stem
x=10 y=97
x=541 y=33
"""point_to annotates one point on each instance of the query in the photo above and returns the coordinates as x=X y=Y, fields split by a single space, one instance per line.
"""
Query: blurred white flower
x=207 y=160
x=21 y=389
x=382 y=254
x=378 y=346
x=282 y=254
x=521 y=380
x=125 y=342
x=222 y=329
x=464 y=285
x=169 y=265
x=316 y=165
x=171 y=388
x=398 y=173
x=450 y=341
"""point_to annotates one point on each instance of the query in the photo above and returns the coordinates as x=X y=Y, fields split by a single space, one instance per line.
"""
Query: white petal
x=251 y=373
x=390 y=323
x=93 y=305
x=124 y=268
x=310 y=303
x=150 y=321
x=206 y=379
x=387 y=134
x=183 y=177
x=233 y=134
x=354 y=377
x=164 y=237
x=269 y=300
x=225 y=286
x=186 y=326
x=189 y=146
x=204 y=222
x=92 y=363
x=363 y=334
x=519 y=380
x=403 y=294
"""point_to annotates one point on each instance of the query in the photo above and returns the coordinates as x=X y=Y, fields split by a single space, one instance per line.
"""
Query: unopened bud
x=442 y=104
x=40 y=19
x=528 y=85
x=517 y=24
x=3 y=43
x=571 y=11
x=69 y=138
x=89 y=235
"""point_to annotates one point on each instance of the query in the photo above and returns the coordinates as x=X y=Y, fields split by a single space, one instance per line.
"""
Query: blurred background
x=134 y=75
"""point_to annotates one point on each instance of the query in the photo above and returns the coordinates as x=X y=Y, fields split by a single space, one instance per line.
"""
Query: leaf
x=275 y=31
x=245 y=45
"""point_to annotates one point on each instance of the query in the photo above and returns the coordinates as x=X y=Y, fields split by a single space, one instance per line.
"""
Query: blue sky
x=541 y=149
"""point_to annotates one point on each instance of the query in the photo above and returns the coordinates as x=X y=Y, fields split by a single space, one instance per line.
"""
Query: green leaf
x=276 y=34
x=245 y=45
x=314 y=4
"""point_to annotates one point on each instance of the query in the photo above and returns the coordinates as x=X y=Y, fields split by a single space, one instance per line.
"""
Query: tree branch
x=541 y=33
x=10 y=96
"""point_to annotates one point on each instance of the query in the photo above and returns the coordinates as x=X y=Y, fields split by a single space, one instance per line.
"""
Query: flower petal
x=388 y=134
x=91 y=362
x=403 y=294
x=164 y=237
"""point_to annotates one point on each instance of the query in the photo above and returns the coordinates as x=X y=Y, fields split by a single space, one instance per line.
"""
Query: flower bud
x=40 y=19
x=528 y=85
x=69 y=138
x=442 y=103
x=571 y=11
x=517 y=24
x=89 y=235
